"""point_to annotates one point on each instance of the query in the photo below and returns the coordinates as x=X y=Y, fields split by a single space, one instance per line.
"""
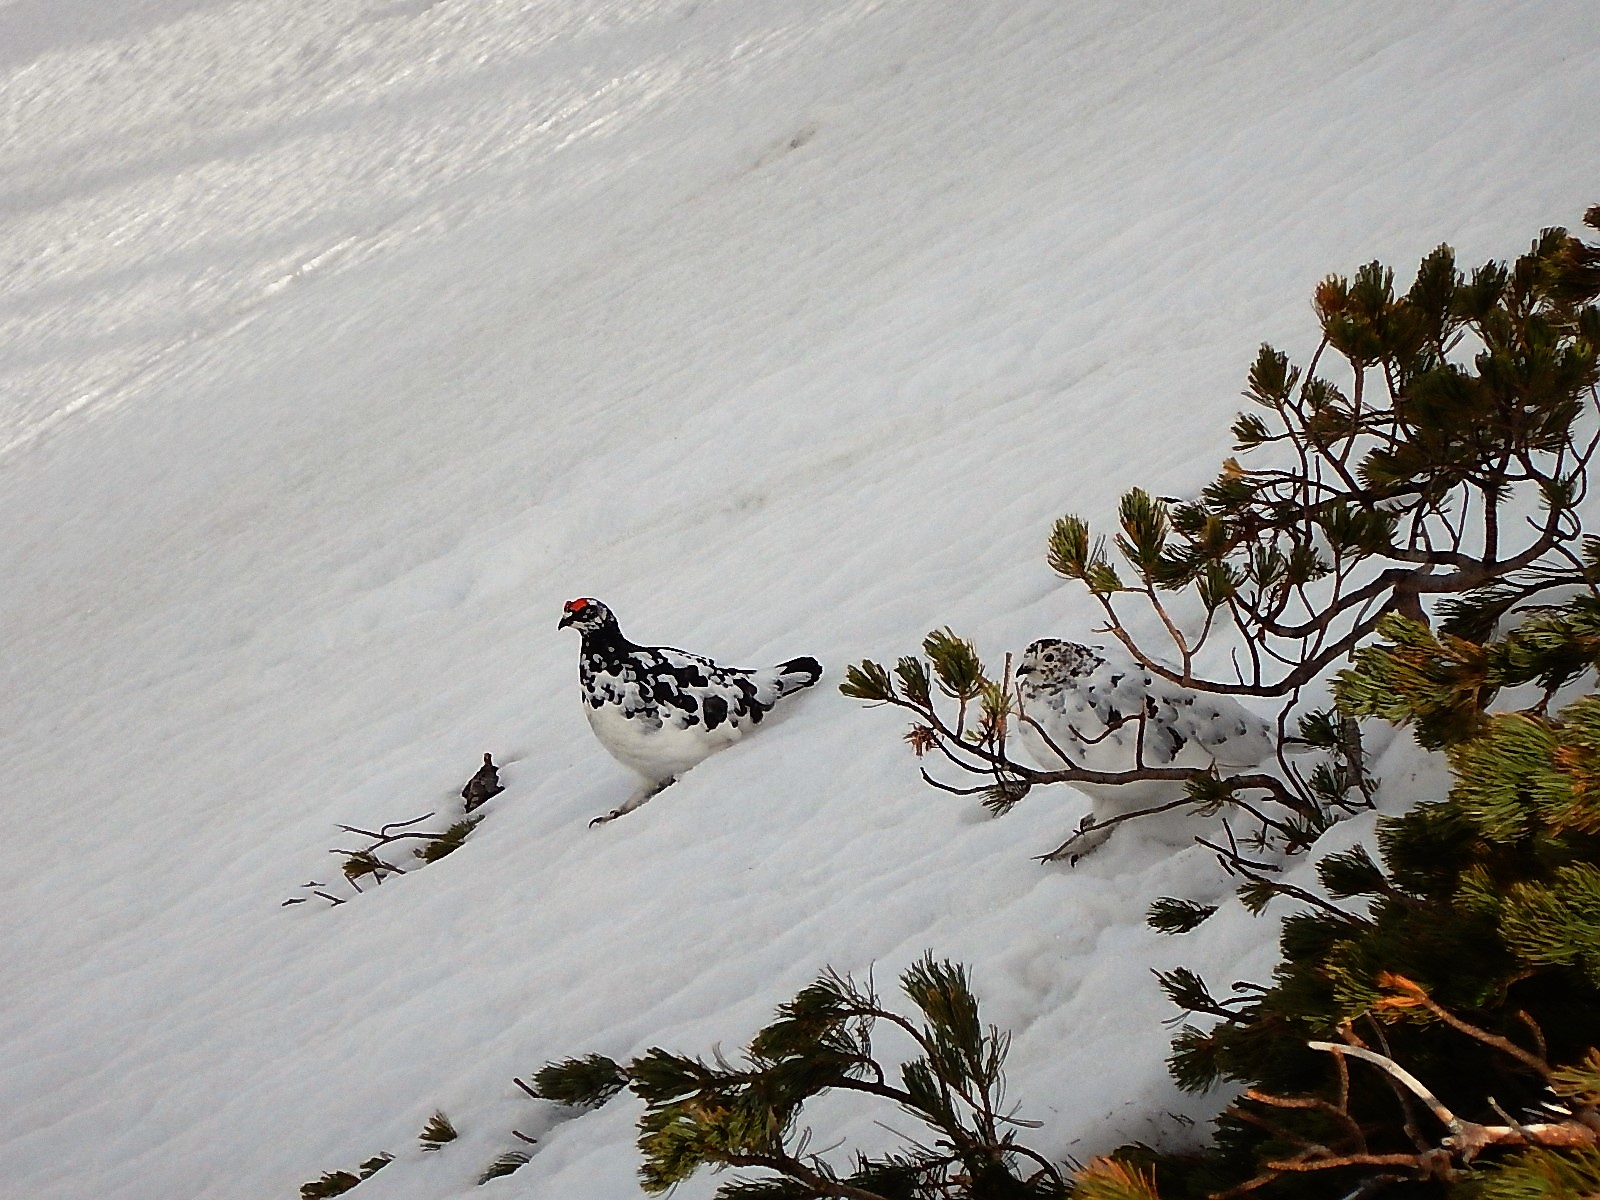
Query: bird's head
x=585 y=613
x=1053 y=657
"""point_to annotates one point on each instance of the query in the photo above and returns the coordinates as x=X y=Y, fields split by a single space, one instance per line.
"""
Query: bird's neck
x=606 y=641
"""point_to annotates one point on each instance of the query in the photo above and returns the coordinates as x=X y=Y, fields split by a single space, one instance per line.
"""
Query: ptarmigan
x=1088 y=701
x=660 y=711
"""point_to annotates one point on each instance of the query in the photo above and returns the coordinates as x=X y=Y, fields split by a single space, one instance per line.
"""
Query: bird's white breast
x=656 y=751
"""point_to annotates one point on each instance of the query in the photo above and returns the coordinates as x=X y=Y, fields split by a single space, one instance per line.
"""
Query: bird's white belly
x=656 y=752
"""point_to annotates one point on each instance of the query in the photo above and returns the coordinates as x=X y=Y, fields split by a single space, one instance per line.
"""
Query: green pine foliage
x=1440 y=684
x=332 y=1183
x=1171 y=915
x=718 y=1115
x=437 y=1133
x=1436 y=683
x=508 y=1163
x=1541 y=1175
x=447 y=842
x=1469 y=956
x=1113 y=1179
x=337 y=1183
x=586 y=1082
x=358 y=866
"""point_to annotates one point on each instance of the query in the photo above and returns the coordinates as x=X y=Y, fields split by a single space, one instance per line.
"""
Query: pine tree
x=1436 y=1027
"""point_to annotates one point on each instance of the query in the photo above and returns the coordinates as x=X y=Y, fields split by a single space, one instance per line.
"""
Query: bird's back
x=1111 y=714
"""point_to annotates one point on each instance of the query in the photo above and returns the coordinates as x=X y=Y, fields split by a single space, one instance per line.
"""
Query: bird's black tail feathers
x=797 y=673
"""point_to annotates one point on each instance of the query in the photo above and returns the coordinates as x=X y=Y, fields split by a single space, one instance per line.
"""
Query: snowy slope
x=342 y=340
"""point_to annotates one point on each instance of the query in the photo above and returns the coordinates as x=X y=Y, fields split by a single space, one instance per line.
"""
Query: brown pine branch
x=1415 y=994
x=1427 y=1165
x=1337 y=1111
x=785 y=1164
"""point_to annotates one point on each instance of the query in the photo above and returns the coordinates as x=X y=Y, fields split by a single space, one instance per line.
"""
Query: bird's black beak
x=566 y=619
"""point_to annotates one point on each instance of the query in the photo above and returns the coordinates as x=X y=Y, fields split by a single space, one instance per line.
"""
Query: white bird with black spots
x=1099 y=710
x=660 y=711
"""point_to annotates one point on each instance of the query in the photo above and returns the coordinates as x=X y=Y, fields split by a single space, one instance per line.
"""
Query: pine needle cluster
x=337 y=1183
x=437 y=1133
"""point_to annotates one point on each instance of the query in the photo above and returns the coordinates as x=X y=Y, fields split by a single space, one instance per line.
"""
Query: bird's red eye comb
x=577 y=605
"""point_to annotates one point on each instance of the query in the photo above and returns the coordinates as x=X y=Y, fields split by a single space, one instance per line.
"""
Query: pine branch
x=1468 y=1139
x=1413 y=994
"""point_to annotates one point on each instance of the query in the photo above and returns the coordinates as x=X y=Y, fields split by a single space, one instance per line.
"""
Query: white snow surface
x=342 y=340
